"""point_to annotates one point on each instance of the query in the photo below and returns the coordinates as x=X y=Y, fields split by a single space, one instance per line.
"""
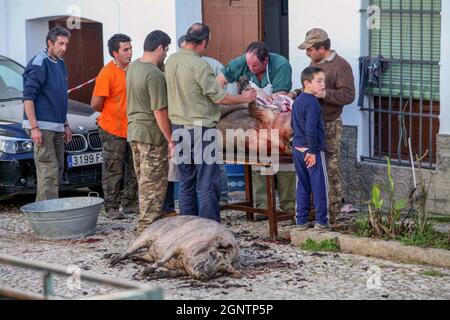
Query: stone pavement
x=270 y=269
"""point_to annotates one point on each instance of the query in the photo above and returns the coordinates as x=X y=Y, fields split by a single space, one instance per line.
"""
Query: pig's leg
x=140 y=243
x=160 y=263
x=146 y=258
x=164 y=273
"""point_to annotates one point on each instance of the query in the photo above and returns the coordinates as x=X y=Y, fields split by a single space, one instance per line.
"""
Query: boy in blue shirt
x=309 y=151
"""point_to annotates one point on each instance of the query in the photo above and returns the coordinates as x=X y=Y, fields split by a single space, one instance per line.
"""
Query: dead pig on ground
x=186 y=245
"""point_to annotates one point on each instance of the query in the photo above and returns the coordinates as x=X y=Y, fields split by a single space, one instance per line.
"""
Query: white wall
x=445 y=70
x=140 y=17
x=342 y=20
x=36 y=32
x=3 y=28
x=188 y=12
x=134 y=17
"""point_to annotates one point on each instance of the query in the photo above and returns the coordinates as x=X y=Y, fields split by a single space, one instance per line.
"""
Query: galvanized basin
x=67 y=218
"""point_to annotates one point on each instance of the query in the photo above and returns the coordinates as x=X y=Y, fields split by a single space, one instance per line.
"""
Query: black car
x=83 y=156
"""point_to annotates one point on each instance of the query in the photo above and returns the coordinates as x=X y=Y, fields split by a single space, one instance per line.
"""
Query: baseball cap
x=313 y=37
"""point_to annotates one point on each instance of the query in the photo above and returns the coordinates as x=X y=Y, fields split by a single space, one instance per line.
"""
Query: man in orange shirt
x=109 y=98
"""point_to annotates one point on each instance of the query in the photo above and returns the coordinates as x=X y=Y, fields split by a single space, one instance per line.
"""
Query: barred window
x=405 y=104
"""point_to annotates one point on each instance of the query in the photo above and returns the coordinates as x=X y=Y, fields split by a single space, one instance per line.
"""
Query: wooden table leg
x=249 y=191
x=271 y=206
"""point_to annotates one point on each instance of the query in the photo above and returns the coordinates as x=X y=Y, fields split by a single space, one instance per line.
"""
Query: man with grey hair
x=46 y=103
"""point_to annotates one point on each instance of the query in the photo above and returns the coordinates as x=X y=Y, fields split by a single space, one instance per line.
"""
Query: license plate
x=87 y=159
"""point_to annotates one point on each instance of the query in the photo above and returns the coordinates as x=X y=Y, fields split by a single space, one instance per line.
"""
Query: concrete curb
x=390 y=250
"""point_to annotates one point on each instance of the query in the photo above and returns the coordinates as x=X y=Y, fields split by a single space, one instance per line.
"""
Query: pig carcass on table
x=187 y=245
x=263 y=114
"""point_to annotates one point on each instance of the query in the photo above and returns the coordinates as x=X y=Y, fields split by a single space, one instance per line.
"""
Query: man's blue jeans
x=200 y=184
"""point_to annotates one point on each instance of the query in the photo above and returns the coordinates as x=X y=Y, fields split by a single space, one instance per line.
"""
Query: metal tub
x=67 y=218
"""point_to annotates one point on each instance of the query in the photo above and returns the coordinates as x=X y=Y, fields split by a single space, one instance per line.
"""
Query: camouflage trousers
x=333 y=135
x=152 y=168
x=118 y=177
x=49 y=162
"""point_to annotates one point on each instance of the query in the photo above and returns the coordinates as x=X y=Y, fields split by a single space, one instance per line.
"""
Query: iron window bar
x=382 y=100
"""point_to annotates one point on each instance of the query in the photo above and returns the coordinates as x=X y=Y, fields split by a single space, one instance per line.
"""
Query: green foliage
x=386 y=224
x=377 y=201
x=435 y=274
x=440 y=219
x=426 y=238
x=362 y=228
x=324 y=246
x=389 y=223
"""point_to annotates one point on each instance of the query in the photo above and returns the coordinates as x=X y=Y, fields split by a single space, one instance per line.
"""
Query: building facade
x=411 y=100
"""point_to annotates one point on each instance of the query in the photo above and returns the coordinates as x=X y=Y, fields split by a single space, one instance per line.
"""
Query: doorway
x=235 y=24
x=276 y=26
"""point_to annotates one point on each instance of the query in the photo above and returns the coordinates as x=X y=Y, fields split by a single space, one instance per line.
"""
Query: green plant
x=387 y=224
x=414 y=227
x=362 y=227
x=419 y=198
x=439 y=219
x=425 y=238
x=435 y=274
x=324 y=246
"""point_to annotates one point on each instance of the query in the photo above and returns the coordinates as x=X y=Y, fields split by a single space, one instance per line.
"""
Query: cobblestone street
x=270 y=269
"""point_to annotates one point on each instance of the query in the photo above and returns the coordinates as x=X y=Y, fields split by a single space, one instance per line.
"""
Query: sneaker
x=321 y=227
x=114 y=214
x=303 y=227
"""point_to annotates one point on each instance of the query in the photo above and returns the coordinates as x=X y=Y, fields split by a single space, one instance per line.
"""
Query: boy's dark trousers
x=313 y=180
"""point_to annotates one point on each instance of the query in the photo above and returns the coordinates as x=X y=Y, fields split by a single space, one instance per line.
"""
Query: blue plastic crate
x=236 y=183
x=234 y=170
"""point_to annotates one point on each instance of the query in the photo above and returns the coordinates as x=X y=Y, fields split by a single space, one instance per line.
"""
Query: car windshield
x=11 y=82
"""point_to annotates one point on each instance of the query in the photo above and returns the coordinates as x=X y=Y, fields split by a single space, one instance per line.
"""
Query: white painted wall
x=342 y=20
x=4 y=23
x=136 y=18
x=445 y=70
x=36 y=33
x=140 y=17
x=188 y=12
